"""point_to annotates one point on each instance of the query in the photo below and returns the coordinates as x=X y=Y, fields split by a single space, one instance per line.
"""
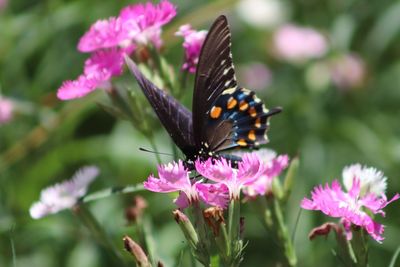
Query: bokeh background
x=340 y=107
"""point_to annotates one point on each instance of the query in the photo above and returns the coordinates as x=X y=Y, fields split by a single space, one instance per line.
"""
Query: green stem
x=97 y=231
x=282 y=231
x=154 y=147
x=359 y=246
x=160 y=68
x=200 y=225
x=234 y=241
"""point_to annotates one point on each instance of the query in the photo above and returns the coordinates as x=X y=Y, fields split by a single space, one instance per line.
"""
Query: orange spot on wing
x=215 y=112
x=258 y=123
x=253 y=112
x=232 y=102
x=243 y=105
x=252 y=135
x=241 y=142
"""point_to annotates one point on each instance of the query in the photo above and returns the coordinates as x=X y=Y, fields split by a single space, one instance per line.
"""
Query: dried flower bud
x=133 y=248
x=324 y=230
x=214 y=216
x=134 y=212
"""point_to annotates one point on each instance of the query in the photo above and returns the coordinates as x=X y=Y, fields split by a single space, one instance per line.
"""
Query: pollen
x=258 y=123
x=252 y=135
x=215 y=112
x=253 y=112
x=232 y=102
x=243 y=105
x=241 y=142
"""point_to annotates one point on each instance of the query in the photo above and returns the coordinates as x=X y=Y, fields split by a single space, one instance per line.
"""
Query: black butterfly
x=225 y=116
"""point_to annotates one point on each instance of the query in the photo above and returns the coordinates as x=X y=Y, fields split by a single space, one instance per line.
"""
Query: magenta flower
x=143 y=22
x=349 y=206
x=213 y=194
x=274 y=165
x=98 y=71
x=220 y=171
x=6 y=110
x=104 y=34
x=297 y=44
x=64 y=195
x=104 y=64
x=76 y=88
x=193 y=41
x=173 y=177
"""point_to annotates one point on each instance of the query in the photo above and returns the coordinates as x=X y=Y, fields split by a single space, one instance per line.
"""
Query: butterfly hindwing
x=175 y=118
x=238 y=118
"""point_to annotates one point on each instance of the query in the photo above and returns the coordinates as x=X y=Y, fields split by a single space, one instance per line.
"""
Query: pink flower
x=349 y=206
x=297 y=44
x=143 y=22
x=104 y=34
x=173 y=177
x=213 y=194
x=274 y=165
x=255 y=75
x=98 y=71
x=6 y=110
x=76 y=88
x=221 y=171
x=64 y=195
x=193 y=41
x=348 y=71
x=104 y=64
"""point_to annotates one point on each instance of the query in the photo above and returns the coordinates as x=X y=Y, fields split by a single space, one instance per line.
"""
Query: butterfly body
x=225 y=116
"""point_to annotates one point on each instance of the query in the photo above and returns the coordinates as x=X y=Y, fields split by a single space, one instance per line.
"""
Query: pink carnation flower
x=98 y=71
x=193 y=41
x=104 y=34
x=297 y=44
x=6 y=110
x=220 y=171
x=173 y=177
x=213 y=194
x=349 y=206
x=143 y=22
x=274 y=165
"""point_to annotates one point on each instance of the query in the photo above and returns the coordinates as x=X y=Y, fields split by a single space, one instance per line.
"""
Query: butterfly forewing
x=176 y=118
x=215 y=74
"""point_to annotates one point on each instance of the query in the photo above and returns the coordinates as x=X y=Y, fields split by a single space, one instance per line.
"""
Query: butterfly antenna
x=154 y=152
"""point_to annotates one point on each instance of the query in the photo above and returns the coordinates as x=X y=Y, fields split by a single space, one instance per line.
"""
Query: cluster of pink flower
x=111 y=39
x=193 y=40
x=253 y=175
x=361 y=184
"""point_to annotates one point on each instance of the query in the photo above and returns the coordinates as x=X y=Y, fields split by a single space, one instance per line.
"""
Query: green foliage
x=326 y=127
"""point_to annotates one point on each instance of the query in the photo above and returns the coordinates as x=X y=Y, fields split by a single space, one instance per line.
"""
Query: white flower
x=64 y=195
x=371 y=179
x=262 y=13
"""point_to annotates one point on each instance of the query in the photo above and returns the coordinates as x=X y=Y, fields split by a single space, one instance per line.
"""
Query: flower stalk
x=98 y=232
x=276 y=220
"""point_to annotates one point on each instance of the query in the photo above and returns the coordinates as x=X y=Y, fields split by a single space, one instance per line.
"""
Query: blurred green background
x=326 y=125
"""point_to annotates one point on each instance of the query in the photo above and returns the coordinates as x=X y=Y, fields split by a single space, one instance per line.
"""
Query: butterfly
x=224 y=115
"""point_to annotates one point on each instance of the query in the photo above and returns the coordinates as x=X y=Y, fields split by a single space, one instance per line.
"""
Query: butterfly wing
x=215 y=73
x=225 y=115
x=175 y=118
